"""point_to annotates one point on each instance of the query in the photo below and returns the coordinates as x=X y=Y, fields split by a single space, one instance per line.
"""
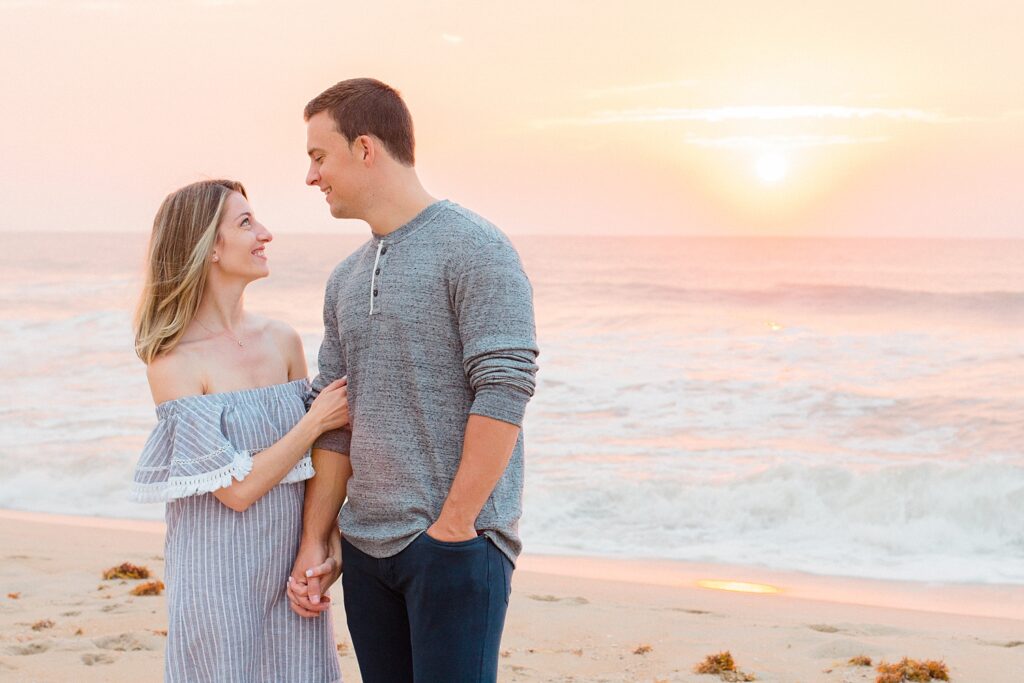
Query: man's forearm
x=325 y=493
x=486 y=450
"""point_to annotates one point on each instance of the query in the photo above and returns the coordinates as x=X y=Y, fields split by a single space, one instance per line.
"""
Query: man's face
x=334 y=166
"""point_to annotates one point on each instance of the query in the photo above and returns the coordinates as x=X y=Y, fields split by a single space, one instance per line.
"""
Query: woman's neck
x=222 y=307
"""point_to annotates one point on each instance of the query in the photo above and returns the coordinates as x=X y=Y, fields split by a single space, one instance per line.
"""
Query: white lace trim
x=239 y=467
x=301 y=472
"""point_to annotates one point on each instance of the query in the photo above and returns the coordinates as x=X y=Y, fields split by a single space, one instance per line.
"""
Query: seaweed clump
x=126 y=570
x=911 y=670
x=724 y=666
x=149 y=588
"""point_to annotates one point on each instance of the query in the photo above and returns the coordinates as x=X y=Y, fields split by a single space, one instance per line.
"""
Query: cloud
x=750 y=113
x=450 y=38
x=100 y=5
x=17 y=4
x=639 y=87
x=108 y=5
x=761 y=142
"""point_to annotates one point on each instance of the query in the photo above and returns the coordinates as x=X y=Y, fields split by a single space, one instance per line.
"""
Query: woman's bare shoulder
x=173 y=375
x=288 y=340
x=281 y=332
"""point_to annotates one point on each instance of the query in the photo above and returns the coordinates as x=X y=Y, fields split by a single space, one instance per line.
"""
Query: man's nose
x=312 y=177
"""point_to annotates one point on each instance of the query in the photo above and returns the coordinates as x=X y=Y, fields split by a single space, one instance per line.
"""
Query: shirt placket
x=375 y=277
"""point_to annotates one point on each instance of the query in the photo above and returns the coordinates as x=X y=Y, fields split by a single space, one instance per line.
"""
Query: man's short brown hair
x=365 y=106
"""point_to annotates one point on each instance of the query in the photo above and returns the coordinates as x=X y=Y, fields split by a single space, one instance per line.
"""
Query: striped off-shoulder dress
x=229 y=619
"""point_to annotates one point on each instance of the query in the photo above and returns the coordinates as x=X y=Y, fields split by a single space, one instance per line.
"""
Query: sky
x=895 y=119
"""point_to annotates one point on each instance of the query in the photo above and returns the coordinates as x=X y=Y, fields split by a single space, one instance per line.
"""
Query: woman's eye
x=245 y=221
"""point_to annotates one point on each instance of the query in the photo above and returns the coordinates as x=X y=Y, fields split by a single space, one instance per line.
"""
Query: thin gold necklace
x=224 y=331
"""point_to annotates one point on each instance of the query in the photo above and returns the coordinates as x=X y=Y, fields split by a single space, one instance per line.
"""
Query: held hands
x=317 y=566
x=330 y=407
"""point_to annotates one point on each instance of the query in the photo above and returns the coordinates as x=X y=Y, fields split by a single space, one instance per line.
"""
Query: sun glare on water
x=738 y=586
x=772 y=168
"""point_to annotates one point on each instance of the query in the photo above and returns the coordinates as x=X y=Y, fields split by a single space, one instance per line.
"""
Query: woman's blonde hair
x=184 y=233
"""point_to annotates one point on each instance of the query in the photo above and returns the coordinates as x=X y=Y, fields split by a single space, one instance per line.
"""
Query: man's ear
x=365 y=149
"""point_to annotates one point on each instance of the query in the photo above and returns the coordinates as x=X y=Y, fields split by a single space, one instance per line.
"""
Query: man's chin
x=338 y=210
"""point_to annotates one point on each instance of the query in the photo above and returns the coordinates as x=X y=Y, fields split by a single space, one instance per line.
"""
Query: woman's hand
x=307 y=590
x=330 y=407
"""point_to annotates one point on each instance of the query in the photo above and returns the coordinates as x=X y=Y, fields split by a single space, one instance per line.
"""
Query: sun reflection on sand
x=738 y=586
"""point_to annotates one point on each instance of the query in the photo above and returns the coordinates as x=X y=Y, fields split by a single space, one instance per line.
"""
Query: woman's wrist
x=312 y=427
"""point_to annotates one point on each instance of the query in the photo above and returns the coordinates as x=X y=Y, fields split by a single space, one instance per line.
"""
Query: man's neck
x=392 y=210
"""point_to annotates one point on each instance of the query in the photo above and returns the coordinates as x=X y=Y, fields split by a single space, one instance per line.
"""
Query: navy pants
x=433 y=613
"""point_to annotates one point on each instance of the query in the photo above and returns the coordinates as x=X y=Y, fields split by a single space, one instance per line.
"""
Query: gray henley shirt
x=431 y=323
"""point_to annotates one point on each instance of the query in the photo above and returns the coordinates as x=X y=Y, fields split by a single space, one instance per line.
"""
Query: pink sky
x=874 y=118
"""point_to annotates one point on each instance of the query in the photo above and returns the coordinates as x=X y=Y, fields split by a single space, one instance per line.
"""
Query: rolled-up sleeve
x=494 y=301
x=331 y=366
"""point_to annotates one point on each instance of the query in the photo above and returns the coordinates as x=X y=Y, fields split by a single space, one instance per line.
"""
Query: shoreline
x=1000 y=601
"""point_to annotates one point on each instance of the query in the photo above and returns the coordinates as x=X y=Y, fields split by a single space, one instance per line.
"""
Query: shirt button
x=375 y=292
x=383 y=250
x=377 y=272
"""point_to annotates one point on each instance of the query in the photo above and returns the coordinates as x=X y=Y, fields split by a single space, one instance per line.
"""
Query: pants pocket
x=454 y=544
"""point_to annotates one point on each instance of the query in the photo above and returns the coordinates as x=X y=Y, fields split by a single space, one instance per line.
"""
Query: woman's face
x=240 y=250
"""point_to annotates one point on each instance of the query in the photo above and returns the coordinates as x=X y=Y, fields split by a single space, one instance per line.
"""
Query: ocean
x=840 y=407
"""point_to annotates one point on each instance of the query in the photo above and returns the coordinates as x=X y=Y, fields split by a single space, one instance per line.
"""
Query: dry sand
x=570 y=619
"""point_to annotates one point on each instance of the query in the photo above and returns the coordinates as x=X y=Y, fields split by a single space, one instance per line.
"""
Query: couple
x=411 y=430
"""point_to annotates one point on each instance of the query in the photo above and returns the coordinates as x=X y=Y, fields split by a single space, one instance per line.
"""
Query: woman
x=230 y=452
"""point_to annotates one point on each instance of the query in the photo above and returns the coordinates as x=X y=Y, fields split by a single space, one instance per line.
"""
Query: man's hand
x=443 y=530
x=304 y=593
x=328 y=571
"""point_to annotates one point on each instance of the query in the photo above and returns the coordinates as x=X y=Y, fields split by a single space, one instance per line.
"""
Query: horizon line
x=351 y=233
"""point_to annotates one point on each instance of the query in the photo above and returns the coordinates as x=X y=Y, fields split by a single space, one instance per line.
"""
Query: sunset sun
x=771 y=168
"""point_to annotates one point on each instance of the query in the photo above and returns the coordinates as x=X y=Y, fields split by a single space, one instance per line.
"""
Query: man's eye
x=319 y=160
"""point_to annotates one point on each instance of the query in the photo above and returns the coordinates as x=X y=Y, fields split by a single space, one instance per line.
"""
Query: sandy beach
x=570 y=619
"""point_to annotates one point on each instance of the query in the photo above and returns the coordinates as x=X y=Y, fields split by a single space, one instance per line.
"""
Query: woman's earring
x=216 y=258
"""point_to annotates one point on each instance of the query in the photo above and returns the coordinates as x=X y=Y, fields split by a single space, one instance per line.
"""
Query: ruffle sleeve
x=188 y=453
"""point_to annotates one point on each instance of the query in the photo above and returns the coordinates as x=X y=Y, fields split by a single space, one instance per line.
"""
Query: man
x=432 y=322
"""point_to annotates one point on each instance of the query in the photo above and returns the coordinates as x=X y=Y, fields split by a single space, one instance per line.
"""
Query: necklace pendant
x=240 y=343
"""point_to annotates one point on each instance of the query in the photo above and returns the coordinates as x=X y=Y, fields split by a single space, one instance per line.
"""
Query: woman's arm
x=270 y=466
x=329 y=411
x=176 y=375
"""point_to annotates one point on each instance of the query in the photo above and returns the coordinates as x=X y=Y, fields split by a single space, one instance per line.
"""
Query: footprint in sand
x=94 y=658
x=554 y=598
x=29 y=648
x=824 y=628
x=996 y=643
x=115 y=608
x=841 y=648
x=125 y=642
x=688 y=610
